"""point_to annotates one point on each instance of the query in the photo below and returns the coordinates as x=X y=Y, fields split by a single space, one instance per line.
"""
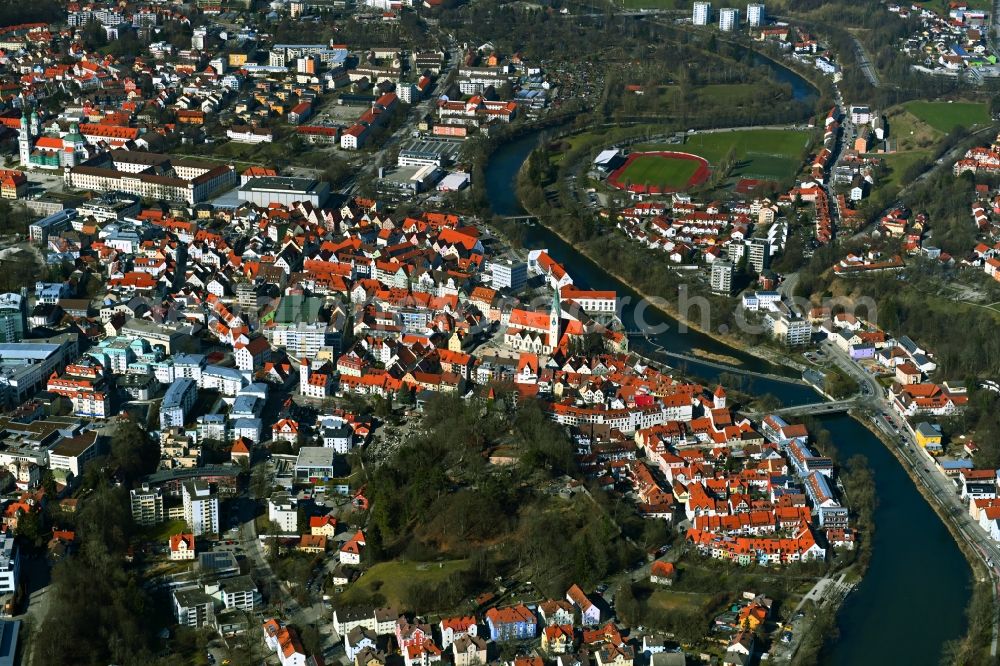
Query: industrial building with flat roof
x=435 y=151
x=266 y=190
x=408 y=179
x=25 y=366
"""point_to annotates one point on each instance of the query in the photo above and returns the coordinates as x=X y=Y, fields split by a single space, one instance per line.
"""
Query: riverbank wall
x=666 y=307
x=975 y=561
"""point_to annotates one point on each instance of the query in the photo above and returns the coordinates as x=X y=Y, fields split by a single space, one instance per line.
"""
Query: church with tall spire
x=43 y=151
x=555 y=317
x=541 y=332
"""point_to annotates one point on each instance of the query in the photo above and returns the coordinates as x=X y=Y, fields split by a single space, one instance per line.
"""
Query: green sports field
x=945 y=116
x=713 y=146
x=657 y=170
x=764 y=154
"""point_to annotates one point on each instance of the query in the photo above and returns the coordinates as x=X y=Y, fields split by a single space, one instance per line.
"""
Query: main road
x=942 y=489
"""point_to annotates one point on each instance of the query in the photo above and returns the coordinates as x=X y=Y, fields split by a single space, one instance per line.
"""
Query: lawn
x=898 y=163
x=732 y=94
x=764 y=154
x=163 y=531
x=656 y=170
x=909 y=132
x=669 y=600
x=713 y=146
x=391 y=578
x=570 y=143
x=944 y=116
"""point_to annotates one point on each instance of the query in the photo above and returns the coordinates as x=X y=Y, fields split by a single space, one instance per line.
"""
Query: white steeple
x=24 y=141
x=555 y=314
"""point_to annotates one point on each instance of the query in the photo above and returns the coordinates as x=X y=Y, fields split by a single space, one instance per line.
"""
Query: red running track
x=699 y=176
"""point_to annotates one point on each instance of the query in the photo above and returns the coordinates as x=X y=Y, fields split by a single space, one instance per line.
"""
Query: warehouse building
x=432 y=151
x=285 y=191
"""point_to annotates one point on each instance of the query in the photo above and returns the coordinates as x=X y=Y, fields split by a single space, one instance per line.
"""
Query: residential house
x=557 y=638
x=312 y=544
x=557 y=611
x=590 y=614
x=469 y=650
x=453 y=628
x=663 y=573
x=350 y=552
x=182 y=547
x=285 y=642
x=740 y=650
x=357 y=639
x=323 y=526
x=615 y=655
x=511 y=623
x=929 y=437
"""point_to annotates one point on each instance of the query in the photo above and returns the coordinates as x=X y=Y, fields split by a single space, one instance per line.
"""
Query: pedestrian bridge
x=830 y=407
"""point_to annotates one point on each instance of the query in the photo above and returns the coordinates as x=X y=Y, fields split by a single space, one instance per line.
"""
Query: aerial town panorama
x=499 y=333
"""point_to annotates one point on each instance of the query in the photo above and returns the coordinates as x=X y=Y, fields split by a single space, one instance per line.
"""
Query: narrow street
x=282 y=595
x=838 y=152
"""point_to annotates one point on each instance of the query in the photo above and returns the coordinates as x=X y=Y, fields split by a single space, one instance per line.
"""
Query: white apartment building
x=201 y=507
x=702 y=13
x=592 y=301
x=509 y=274
x=301 y=339
x=249 y=134
x=10 y=563
x=729 y=19
x=790 y=331
x=337 y=434
x=179 y=398
x=147 y=506
x=755 y=15
x=283 y=510
x=238 y=592
x=722 y=277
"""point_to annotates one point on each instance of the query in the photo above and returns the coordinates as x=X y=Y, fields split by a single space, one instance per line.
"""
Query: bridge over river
x=811 y=409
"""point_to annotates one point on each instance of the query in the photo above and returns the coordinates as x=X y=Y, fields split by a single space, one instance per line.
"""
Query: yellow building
x=13 y=184
x=324 y=526
x=557 y=638
x=929 y=437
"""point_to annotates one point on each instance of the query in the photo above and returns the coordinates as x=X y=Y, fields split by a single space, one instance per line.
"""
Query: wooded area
x=438 y=496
